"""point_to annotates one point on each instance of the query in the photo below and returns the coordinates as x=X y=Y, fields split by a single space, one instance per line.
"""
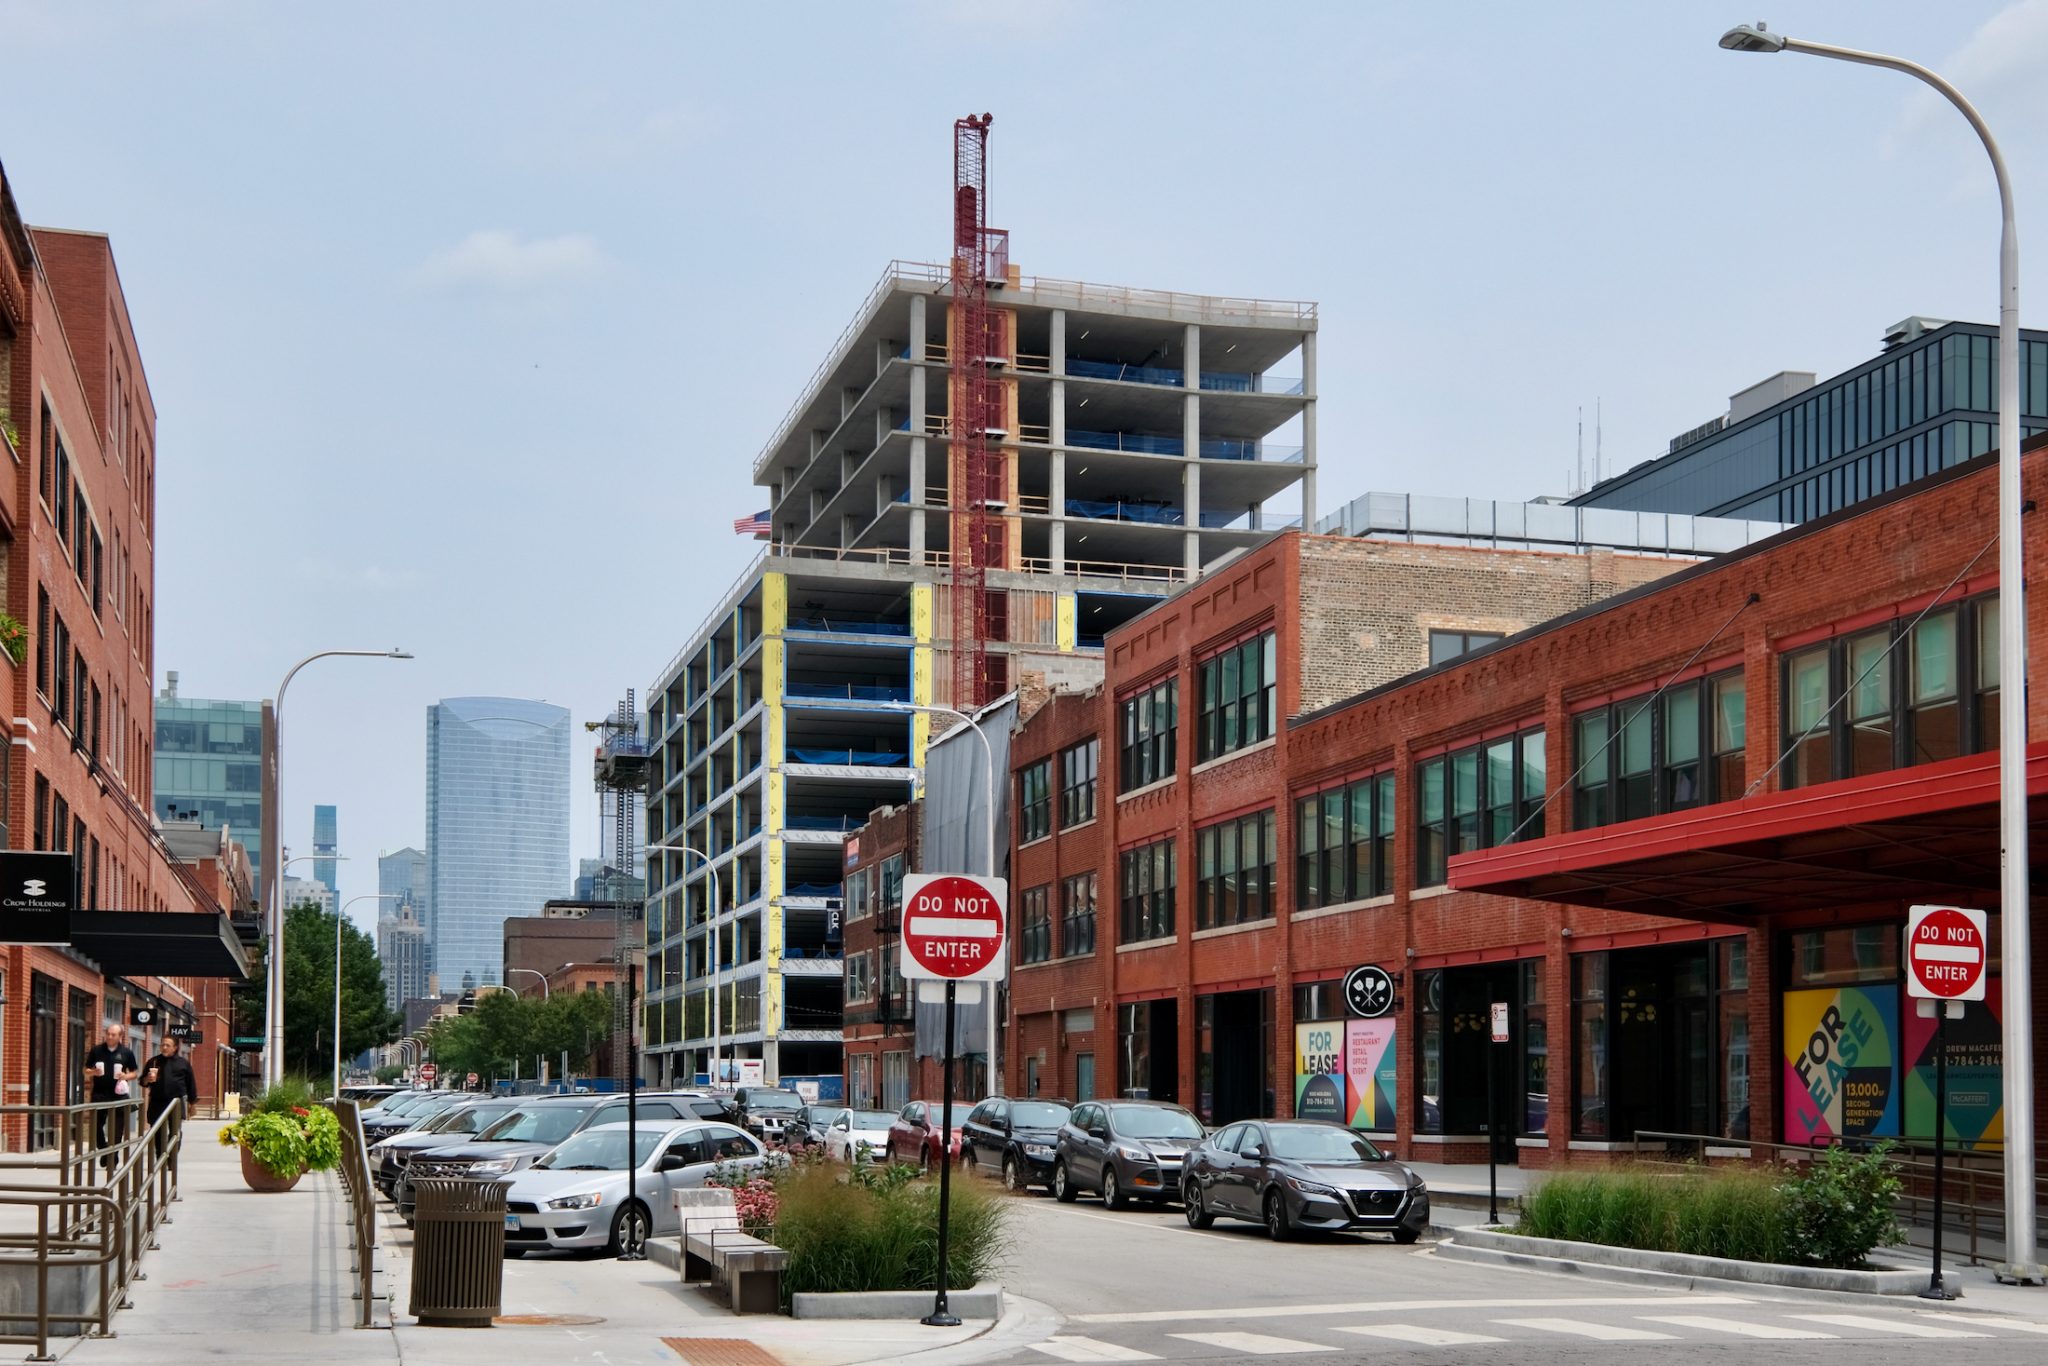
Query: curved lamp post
x=533 y=972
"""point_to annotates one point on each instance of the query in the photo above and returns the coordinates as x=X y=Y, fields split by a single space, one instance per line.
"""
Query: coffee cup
x=100 y=1068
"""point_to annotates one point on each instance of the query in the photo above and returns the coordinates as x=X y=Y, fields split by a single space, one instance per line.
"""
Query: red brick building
x=881 y=1071
x=1672 y=826
x=77 y=517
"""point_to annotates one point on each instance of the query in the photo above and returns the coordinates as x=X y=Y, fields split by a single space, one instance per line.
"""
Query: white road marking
x=1905 y=1327
x=1579 y=1328
x=1281 y=1311
x=1253 y=1344
x=1708 y=1323
x=1424 y=1337
x=1985 y=1320
x=1088 y=1349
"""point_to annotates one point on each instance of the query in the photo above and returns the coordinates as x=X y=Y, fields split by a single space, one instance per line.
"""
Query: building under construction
x=1110 y=442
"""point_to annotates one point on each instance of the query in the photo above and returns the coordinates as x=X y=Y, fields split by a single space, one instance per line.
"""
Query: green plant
x=878 y=1230
x=286 y=1093
x=1842 y=1205
x=13 y=639
x=276 y=1141
x=286 y=1132
x=7 y=426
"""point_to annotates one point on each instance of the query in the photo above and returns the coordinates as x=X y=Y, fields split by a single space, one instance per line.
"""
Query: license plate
x=511 y=1222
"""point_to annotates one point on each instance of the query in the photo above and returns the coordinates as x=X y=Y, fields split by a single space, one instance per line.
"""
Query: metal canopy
x=1927 y=833
x=160 y=943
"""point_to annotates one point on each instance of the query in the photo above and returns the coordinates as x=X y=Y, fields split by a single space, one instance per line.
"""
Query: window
x=1077 y=916
x=1643 y=755
x=860 y=977
x=855 y=896
x=1034 y=801
x=1445 y=646
x=43 y=641
x=1149 y=735
x=1077 y=783
x=1239 y=697
x=1477 y=798
x=1034 y=926
x=95 y=567
x=1234 y=871
x=1344 y=843
x=41 y=817
x=889 y=889
x=1147 y=876
x=60 y=670
x=1589 y=1029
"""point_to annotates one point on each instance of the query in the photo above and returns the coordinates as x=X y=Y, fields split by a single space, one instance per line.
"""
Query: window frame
x=1362 y=867
x=1237 y=696
x=1148 y=876
x=1226 y=897
x=1080 y=773
x=1459 y=823
x=1077 y=924
x=1148 y=753
x=1468 y=641
x=1601 y=794
x=1034 y=801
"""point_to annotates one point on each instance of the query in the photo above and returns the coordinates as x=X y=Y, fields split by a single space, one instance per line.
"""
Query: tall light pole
x=273 y=911
x=533 y=972
x=2015 y=917
x=340 y=919
x=716 y=903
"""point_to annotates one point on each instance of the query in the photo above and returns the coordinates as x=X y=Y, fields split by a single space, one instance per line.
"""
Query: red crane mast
x=976 y=354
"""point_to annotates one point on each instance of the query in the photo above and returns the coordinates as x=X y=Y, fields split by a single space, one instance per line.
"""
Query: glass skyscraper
x=209 y=765
x=324 y=849
x=497 y=826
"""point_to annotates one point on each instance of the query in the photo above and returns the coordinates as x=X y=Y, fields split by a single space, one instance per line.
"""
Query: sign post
x=954 y=931
x=1947 y=957
x=428 y=1072
x=1500 y=1036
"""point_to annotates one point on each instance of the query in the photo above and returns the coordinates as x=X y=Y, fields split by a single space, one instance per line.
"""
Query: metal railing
x=360 y=1184
x=98 y=1208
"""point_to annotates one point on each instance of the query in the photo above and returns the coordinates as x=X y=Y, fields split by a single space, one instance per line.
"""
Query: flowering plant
x=13 y=638
x=286 y=1136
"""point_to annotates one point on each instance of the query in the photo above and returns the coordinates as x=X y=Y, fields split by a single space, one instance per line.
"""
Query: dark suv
x=1123 y=1148
x=457 y=1124
x=1013 y=1139
x=763 y=1110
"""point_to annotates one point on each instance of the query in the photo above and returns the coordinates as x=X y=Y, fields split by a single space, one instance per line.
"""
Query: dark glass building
x=1790 y=449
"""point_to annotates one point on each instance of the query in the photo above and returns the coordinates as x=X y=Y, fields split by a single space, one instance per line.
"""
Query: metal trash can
x=458 y=1251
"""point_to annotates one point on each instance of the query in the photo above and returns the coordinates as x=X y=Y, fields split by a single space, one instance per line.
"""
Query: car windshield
x=826 y=1118
x=602 y=1150
x=1038 y=1114
x=1305 y=1143
x=449 y=1117
x=1151 y=1121
x=549 y=1125
x=473 y=1119
x=774 y=1100
x=403 y=1104
x=870 y=1119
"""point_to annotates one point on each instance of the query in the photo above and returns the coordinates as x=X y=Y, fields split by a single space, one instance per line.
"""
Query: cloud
x=1997 y=69
x=371 y=578
x=494 y=259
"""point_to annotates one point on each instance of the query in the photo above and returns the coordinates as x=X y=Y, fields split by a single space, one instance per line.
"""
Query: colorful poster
x=1371 y=1075
x=1976 y=1072
x=1319 y=1071
x=1841 y=1063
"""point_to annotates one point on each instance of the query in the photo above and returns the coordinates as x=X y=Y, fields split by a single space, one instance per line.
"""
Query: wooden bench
x=743 y=1269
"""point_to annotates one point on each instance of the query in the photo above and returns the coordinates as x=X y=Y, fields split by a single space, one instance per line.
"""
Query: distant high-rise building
x=598 y=880
x=497 y=825
x=402 y=880
x=402 y=949
x=300 y=891
x=324 y=848
x=209 y=765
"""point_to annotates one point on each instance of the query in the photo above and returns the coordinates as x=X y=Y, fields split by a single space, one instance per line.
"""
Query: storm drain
x=546 y=1320
x=722 y=1352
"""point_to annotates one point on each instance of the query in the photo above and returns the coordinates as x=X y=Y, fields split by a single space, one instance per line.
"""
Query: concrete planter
x=976 y=1302
x=1496 y=1246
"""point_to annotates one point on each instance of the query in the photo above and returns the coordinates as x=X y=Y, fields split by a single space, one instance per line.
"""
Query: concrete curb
x=1023 y=1323
x=975 y=1302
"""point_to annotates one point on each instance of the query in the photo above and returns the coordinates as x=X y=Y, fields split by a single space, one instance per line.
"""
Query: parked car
x=367 y=1095
x=456 y=1124
x=858 y=1136
x=387 y=1120
x=763 y=1110
x=1123 y=1148
x=1013 y=1139
x=1302 y=1174
x=577 y=1194
x=808 y=1129
x=914 y=1134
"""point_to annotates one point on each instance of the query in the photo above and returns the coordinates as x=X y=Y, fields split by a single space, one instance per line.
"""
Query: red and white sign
x=1500 y=1021
x=471 y=1080
x=427 y=1073
x=1947 y=953
x=954 y=928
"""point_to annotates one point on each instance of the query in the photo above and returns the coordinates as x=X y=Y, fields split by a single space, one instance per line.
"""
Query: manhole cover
x=722 y=1352
x=547 y=1320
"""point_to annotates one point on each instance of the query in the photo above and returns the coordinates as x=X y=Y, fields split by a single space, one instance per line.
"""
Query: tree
x=309 y=992
x=507 y=1035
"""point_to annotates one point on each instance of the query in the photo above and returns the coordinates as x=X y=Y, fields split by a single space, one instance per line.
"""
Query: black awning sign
x=186 y=1033
x=38 y=893
x=142 y=1016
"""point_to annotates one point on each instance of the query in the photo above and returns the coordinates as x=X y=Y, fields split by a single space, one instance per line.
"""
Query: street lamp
x=717 y=1077
x=341 y=918
x=2014 y=910
x=273 y=911
x=533 y=972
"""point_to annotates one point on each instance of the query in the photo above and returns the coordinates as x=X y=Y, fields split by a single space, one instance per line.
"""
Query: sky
x=465 y=322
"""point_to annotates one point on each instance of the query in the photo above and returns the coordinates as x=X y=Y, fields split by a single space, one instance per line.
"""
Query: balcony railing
x=876 y=758
x=849 y=692
x=839 y=626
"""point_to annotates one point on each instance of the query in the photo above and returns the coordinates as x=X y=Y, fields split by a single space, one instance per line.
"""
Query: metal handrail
x=359 y=1183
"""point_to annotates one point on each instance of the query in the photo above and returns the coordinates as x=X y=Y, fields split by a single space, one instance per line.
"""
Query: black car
x=457 y=1124
x=763 y=1110
x=1302 y=1174
x=1013 y=1139
x=405 y=1115
x=1123 y=1148
x=807 y=1130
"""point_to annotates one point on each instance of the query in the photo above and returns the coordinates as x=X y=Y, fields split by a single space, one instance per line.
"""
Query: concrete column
x=1308 y=431
x=1059 y=344
x=1191 y=435
x=1057 y=500
x=917 y=440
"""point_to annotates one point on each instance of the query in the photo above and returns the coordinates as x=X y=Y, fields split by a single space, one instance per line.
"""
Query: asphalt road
x=1139 y=1285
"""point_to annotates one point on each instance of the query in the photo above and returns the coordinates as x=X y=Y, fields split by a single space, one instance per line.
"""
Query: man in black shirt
x=168 y=1078
x=110 y=1068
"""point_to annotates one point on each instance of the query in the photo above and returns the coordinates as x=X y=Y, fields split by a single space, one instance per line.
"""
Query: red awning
x=1928 y=833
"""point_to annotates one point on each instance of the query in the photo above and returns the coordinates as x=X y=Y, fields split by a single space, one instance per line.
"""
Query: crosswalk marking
x=1423 y=1337
x=1253 y=1344
x=1986 y=1321
x=1291 y=1311
x=1088 y=1349
x=1904 y=1327
x=1707 y=1323
x=1579 y=1328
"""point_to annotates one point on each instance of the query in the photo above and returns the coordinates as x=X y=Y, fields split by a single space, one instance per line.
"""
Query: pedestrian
x=167 y=1079
x=110 y=1068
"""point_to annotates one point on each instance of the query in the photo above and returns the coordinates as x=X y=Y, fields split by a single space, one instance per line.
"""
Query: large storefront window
x=1459 y=1062
x=1234 y=1056
x=1589 y=1033
x=1429 y=1052
x=1661 y=1039
x=1148 y=1036
x=1535 y=1051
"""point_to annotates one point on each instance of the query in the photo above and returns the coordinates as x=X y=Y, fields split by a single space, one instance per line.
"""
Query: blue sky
x=466 y=321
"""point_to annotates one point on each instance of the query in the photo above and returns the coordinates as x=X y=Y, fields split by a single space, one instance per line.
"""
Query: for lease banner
x=1319 y=1071
x=1371 y=1074
x=1841 y=1063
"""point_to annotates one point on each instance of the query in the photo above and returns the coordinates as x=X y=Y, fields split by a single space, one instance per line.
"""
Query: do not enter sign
x=954 y=928
x=1947 y=953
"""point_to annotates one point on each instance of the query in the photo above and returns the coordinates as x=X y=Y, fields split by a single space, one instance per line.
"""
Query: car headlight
x=1312 y=1187
x=1130 y=1154
x=496 y=1167
x=1038 y=1150
x=1419 y=1188
x=588 y=1201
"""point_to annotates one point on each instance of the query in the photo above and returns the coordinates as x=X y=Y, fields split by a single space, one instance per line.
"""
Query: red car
x=914 y=1137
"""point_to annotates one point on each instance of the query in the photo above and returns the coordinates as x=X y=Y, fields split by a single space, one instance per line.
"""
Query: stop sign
x=953 y=927
x=1947 y=953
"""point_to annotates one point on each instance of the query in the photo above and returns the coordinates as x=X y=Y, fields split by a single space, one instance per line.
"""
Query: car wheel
x=1277 y=1226
x=1405 y=1236
x=629 y=1230
x=1062 y=1186
x=1012 y=1182
x=1112 y=1189
x=1191 y=1205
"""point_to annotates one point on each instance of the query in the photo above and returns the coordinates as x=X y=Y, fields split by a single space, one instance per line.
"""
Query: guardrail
x=360 y=1185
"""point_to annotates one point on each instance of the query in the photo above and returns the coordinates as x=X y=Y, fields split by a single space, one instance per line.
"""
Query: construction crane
x=977 y=355
x=620 y=768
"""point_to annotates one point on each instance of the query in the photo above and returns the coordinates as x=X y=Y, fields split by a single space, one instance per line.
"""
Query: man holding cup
x=167 y=1079
x=110 y=1068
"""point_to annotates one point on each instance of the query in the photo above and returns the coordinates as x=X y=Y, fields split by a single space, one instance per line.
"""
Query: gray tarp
x=954 y=839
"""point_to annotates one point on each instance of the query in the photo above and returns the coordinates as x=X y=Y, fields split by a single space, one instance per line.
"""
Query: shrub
x=879 y=1230
x=1842 y=1205
x=286 y=1132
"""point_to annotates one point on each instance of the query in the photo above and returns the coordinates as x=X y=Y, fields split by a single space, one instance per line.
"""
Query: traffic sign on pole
x=954 y=928
x=428 y=1072
x=1947 y=953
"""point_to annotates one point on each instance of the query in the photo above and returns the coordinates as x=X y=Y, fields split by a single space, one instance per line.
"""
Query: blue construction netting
x=826 y=890
x=1156 y=513
x=879 y=758
x=835 y=626
x=825 y=822
x=849 y=692
x=1140 y=443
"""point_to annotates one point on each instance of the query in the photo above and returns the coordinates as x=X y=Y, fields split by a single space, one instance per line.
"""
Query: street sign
x=184 y=1033
x=1368 y=992
x=953 y=928
x=1500 y=1021
x=428 y=1072
x=470 y=1080
x=38 y=893
x=1947 y=953
x=142 y=1017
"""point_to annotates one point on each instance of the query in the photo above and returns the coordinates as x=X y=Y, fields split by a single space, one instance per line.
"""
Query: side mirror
x=673 y=1162
x=1259 y=1152
x=1099 y=1133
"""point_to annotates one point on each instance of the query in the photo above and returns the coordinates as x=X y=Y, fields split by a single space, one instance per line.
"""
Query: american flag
x=753 y=525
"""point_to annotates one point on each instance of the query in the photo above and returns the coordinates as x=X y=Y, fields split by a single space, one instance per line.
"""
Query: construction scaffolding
x=620 y=770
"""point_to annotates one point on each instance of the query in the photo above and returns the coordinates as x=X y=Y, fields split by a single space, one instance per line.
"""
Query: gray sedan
x=1302 y=1174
